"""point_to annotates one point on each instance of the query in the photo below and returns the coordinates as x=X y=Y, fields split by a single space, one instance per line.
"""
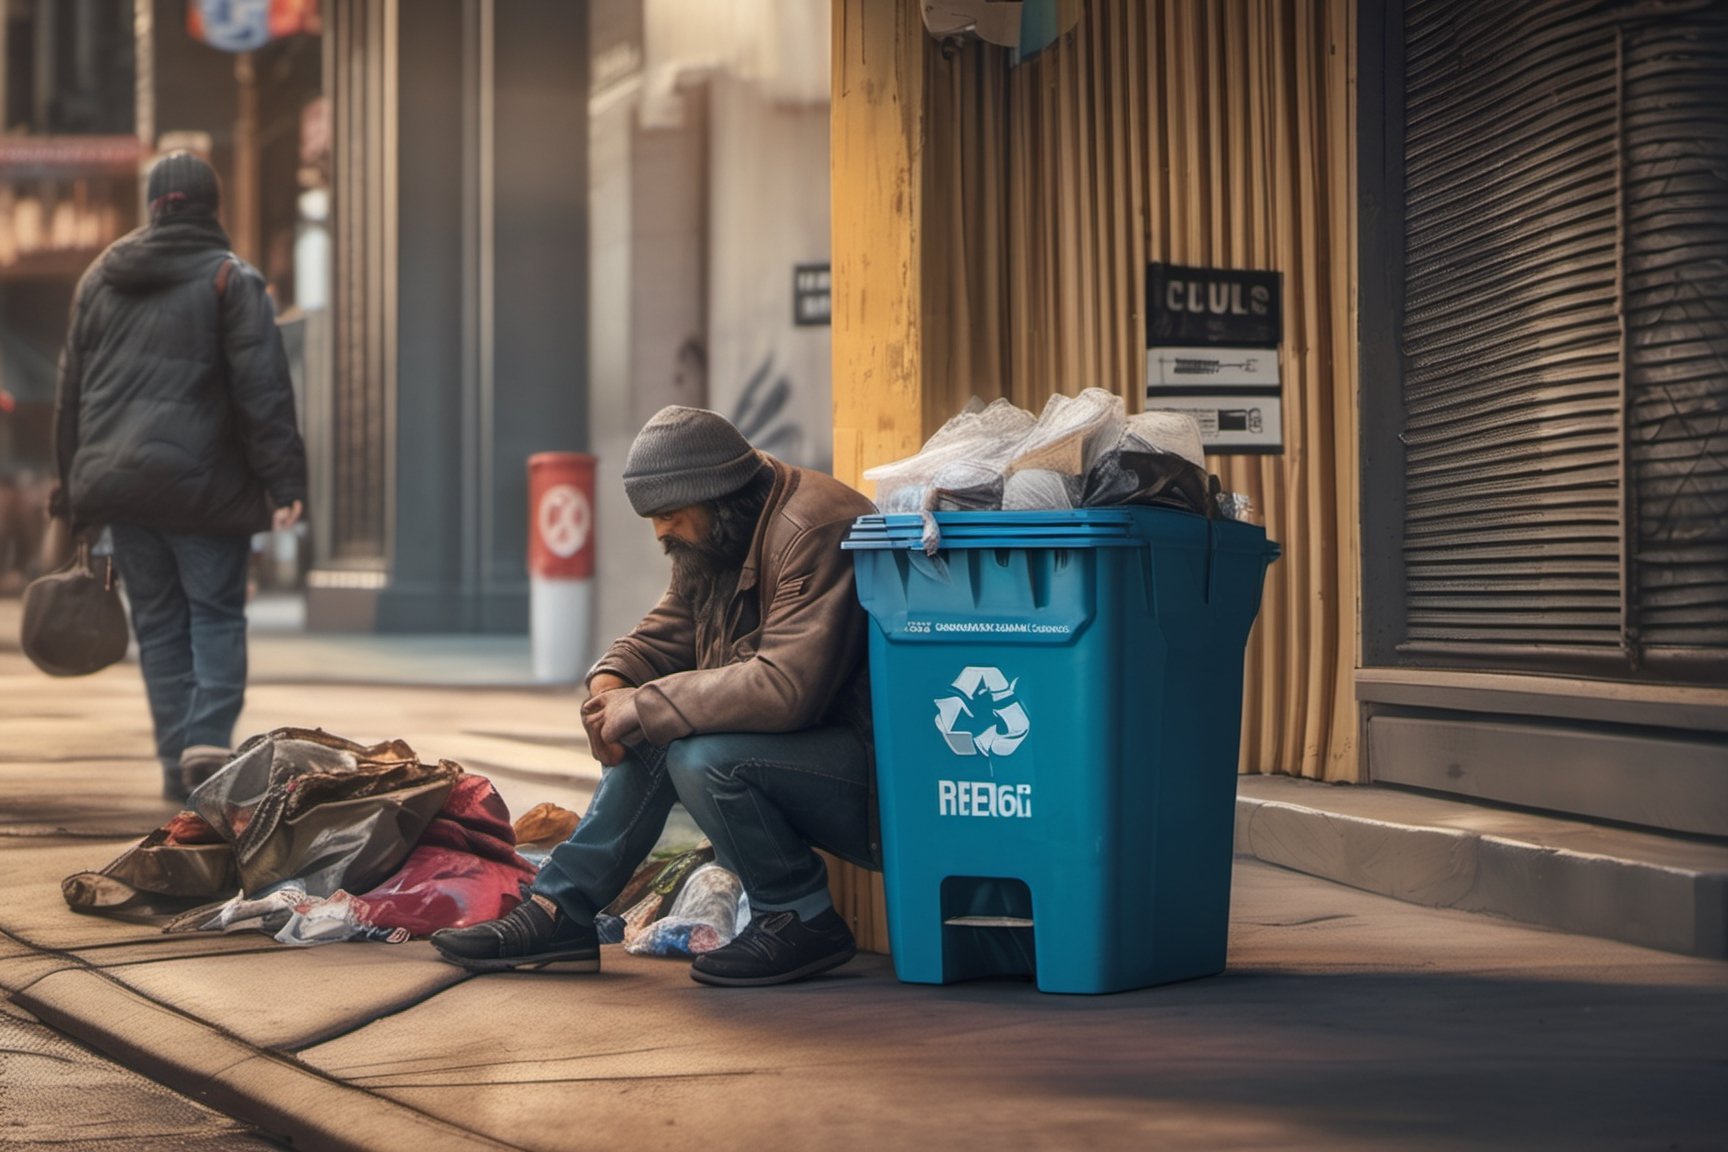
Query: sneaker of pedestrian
x=778 y=948
x=200 y=762
x=531 y=935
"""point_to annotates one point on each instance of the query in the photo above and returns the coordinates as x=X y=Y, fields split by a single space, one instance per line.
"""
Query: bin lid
x=1120 y=526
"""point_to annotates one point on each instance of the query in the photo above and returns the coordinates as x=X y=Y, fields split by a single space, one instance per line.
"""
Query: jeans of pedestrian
x=763 y=799
x=188 y=601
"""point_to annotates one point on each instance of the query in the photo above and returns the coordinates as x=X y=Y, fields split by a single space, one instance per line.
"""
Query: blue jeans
x=764 y=799
x=188 y=600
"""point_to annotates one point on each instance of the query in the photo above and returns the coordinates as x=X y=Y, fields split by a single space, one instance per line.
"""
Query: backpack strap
x=223 y=273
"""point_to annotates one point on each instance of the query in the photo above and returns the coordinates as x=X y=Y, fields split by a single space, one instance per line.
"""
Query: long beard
x=705 y=572
x=698 y=569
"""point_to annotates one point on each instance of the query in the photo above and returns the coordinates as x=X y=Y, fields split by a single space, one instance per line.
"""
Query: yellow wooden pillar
x=877 y=179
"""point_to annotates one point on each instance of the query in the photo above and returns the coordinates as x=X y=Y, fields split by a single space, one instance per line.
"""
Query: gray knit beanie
x=686 y=456
x=182 y=184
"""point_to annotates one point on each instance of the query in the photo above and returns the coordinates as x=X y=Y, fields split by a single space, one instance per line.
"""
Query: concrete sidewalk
x=1345 y=1020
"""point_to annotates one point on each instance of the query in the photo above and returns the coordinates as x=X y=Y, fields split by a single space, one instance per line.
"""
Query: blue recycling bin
x=1058 y=701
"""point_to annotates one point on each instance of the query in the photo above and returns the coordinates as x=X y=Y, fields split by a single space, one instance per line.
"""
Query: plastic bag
x=242 y=913
x=1174 y=432
x=333 y=919
x=1234 y=505
x=1080 y=451
x=649 y=895
x=961 y=466
x=1037 y=489
x=303 y=805
x=291 y=917
x=703 y=917
x=1158 y=459
x=1071 y=433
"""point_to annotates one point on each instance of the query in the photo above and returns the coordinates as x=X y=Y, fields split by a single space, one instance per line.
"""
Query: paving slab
x=290 y=997
x=106 y=798
x=479 y=661
x=56 y=1094
x=22 y=965
x=272 y=1091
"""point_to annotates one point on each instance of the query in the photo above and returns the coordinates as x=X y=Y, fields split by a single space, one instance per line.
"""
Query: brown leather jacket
x=790 y=654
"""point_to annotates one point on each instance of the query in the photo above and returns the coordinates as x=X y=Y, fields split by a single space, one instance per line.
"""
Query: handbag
x=73 y=621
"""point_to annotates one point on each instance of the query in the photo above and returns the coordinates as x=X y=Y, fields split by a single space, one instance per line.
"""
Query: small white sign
x=1198 y=369
x=1230 y=423
x=565 y=520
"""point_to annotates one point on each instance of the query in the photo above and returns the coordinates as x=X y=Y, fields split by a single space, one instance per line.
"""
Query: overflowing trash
x=312 y=839
x=681 y=906
x=1080 y=452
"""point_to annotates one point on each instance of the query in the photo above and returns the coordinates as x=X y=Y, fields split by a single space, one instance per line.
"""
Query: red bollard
x=560 y=563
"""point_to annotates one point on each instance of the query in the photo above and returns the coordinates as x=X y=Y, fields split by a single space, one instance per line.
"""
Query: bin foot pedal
x=989 y=922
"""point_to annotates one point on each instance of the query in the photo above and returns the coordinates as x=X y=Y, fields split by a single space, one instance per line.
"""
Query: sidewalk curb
x=268 y=1090
x=1420 y=858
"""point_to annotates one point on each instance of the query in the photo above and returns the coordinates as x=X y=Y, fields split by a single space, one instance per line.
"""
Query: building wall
x=460 y=298
x=768 y=212
x=1032 y=197
x=625 y=552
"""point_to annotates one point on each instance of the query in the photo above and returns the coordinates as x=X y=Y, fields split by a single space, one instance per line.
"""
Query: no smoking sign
x=565 y=520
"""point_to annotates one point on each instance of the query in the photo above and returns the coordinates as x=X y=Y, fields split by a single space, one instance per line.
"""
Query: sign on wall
x=812 y=295
x=1212 y=338
x=243 y=25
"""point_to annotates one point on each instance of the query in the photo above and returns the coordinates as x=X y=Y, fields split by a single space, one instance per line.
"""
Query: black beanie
x=182 y=183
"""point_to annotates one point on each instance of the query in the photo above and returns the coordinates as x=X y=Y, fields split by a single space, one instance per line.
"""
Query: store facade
x=1499 y=230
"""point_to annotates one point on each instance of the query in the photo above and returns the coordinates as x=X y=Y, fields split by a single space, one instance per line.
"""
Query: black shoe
x=200 y=762
x=778 y=948
x=527 y=936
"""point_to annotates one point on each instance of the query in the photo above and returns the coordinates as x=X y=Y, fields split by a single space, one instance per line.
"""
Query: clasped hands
x=609 y=716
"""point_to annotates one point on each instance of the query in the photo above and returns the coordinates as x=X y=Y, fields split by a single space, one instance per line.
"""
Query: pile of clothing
x=324 y=839
x=312 y=838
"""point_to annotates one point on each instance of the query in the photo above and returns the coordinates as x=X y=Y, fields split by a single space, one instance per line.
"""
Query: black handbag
x=74 y=623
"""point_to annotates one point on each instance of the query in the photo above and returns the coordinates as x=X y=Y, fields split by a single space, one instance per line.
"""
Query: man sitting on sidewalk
x=743 y=694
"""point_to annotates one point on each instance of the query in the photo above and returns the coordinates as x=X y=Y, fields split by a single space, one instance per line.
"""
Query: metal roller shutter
x=1564 y=331
x=1676 y=188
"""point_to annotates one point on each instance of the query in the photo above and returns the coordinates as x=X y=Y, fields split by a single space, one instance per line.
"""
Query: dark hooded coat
x=175 y=410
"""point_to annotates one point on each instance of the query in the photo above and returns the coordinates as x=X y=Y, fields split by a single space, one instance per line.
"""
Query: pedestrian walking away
x=743 y=694
x=174 y=427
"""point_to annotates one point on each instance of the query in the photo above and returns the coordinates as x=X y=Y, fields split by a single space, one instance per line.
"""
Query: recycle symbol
x=985 y=696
